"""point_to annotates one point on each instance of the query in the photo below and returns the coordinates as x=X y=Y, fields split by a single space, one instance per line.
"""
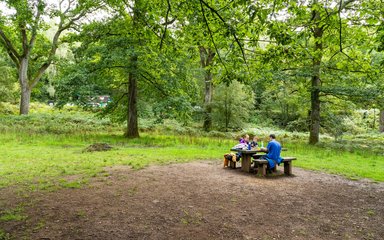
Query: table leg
x=246 y=162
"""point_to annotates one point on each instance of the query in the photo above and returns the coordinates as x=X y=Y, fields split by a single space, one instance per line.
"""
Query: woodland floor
x=201 y=200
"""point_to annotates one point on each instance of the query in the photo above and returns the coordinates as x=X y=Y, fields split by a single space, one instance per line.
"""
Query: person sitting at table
x=243 y=144
x=273 y=153
x=244 y=139
x=254 y=142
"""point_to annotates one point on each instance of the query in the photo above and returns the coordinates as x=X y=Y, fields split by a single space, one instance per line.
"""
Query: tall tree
x=128 y=58
x=314 y=38
x=22 y=35
x=318 y=31
x=132 y=123
x=214 y=27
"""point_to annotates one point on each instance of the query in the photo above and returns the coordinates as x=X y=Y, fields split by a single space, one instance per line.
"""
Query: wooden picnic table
x=246 y=157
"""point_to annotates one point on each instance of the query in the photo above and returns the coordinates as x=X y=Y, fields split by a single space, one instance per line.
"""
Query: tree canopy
x=304 y=65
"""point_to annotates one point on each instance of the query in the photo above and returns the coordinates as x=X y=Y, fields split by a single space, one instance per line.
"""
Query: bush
x=231 y=106
x=353 y=127
x=298 y=125
x=8 y=109
x=56 y=123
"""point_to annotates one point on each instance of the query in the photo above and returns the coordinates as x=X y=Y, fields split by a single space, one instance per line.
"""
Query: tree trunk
x=208 y=101
x=227 y=110
x=314 y=131
x=25 y=100
x=132 y=123
x=25 y=89
x=206 y=59
x=381 y=123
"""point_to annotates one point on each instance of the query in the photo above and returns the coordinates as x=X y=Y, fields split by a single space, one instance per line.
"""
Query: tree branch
x=230 y=2
x=342 y=70
x=115 y=104
x=51 y=55
x=35 y=26
x=340 y=27
x=62 y=27
x=229 y=26
x=258 y=40
x=210 y=34
x=154 y=84
x=166 y=25
x=13 y=54
x=353 y=60
x=24 y=39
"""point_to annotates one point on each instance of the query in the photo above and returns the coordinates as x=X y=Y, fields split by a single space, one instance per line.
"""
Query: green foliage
x=8 y=79
x=267 y=45
x=177 y=108
x=335 y=125
x=346 y=73
x=103 y=65
x=298 y=125
x=232 y=106
x=23 y=36
x=55 y=122
x=8 y=108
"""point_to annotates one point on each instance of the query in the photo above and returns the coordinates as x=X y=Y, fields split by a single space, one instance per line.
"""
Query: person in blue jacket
x=273 y=152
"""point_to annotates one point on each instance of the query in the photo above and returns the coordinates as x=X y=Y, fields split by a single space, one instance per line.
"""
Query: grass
x=48 y=152
x=42 y=160
x=14 y=214
x=4 y=235
x=354 y=165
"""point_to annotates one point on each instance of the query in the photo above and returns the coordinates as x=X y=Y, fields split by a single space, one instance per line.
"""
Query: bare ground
x=201 y=200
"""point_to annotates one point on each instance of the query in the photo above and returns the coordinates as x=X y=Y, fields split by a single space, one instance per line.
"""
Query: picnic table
x=246 y=157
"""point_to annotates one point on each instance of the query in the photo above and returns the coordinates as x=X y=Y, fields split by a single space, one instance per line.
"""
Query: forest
x=306 y=66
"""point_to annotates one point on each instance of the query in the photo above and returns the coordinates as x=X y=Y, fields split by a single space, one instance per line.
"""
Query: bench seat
x=262 y=165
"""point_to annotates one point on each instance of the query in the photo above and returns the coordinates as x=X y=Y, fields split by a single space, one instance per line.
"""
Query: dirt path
x=201 y=200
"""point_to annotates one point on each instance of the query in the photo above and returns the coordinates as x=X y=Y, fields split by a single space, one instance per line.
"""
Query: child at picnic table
x=254 y=142
x=246 y=142
x=244 y=139
x=243 y=144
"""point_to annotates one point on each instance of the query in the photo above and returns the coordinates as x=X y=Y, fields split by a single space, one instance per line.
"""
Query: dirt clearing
x=201 y=200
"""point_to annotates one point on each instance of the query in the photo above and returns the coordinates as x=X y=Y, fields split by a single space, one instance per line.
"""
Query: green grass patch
x=4 y=235
x=354 y=165
x=15 y=214
x=42 y=161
